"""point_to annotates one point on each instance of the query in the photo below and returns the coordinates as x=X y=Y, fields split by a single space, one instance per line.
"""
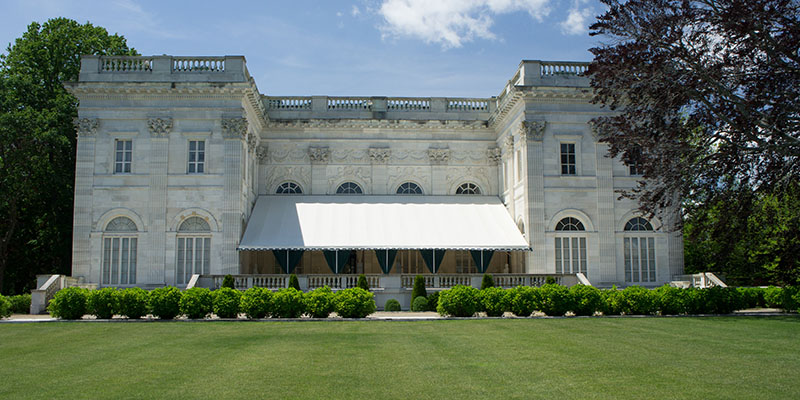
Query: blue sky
x=454 y=48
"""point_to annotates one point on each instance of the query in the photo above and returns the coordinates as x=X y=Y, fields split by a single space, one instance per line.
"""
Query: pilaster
x=531 y=134
x=319 y=156
x=157 y=202
x=234 y=132
x=379 y=157
x=86 y=129
x=606 y=268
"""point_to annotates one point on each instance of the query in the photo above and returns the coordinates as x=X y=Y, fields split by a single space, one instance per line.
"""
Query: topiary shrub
x=556 y=300
x=637 y=300
x=487 y=281
x=494 y=301
x=226 y=302
x=133 y=302
x=459 y=301
x=196 y=303
x=5 y=307
x=20 y=304
x=670 y=300
x=419 y=304
x=319 y=302
x=419 y=288
x=256 y=302
x=611 y=301
x=550 y=280
x=433 y=301
x=354 y=303
x=362 y=282
x=102 y=303
x=288 y=303
x=68 y=303
x=524 y=300
x=391 y=305
x=586 y=299
x=165 y=302
x=227 y=282
x=293 y=282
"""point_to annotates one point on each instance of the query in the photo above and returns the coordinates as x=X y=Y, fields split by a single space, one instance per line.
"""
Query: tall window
x=568 y=159
x=197 y=156
x=193 y=249
x=635 y=162
x=570 y=247
x=289 y=188
x=409 y=188
x=123 y=155
x=119 y=252
x=349 y=188
x=640 y=252
x=468 y=188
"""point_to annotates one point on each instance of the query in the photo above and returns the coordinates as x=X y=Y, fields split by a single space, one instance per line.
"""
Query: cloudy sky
x=450 y=48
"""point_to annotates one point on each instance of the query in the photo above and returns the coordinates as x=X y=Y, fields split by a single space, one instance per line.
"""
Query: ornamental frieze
x=379 y=155
x=320 y=155
x=159 y=127
x=86 y=126
x=234 y=128
x=439 y=156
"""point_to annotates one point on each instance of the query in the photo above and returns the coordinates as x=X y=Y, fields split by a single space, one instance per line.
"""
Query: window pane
x=123 y=265
x=574 y=261
x=132 y=260
x=201 y=145
x=192 y=145
x=558 y=256
x=114 y=261
x=207 y=256
x=652 y=258
x=181 y=260
x=627 y=246
x=128 y=145
x=643 y=259
x=198 y=256
x=583 y=256
x=189 y=259
x=106 y=260
x=635 y=260
x=200 y=168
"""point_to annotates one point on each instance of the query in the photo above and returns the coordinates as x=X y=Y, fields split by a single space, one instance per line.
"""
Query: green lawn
x=728 y=357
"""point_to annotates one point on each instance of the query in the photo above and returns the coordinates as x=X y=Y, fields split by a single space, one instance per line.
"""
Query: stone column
x=531 y=134
x=379 y=157
x=82 y=218
x=157 y=202
x=606 y=267
x=234 y=132
x=319 y=156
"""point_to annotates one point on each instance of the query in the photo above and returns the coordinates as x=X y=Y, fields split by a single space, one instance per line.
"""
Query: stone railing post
x=319 y=104
x=303 y=281
x=438 y=104
x=531 y=71
x=162 y=64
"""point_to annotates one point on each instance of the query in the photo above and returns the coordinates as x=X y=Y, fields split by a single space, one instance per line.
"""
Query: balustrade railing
x=350 y=103
x=410 y=104
x=126 y=64
x=467 y=105
x=289 y=103
x=563 y=68
x=198 y=64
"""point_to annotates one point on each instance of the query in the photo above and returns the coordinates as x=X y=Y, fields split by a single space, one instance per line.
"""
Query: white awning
x=297 y=222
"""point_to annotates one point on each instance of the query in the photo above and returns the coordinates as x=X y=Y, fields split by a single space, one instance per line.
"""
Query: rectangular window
x=193 y=257
x=635 y=163
x=568 y=159
x=640 y=259
x=197 y=156
x=119 y=261
x=123 y=155
x=571 y=255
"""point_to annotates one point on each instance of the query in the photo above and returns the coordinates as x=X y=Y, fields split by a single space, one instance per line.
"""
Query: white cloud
x=451 y=22
x=577 y=22
x=355 y=11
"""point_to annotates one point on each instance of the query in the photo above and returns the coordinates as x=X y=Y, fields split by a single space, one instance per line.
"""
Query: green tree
x=37 y=145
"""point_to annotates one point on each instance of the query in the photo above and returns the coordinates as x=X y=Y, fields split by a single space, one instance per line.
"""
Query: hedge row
x=557 y=300
x=19 y=304
x=196 y=303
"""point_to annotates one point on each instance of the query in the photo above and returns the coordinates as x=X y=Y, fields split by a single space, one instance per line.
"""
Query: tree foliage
x=37 y=145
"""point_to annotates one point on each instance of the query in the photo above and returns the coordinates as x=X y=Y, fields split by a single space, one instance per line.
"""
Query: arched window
x=193 y=250
x=638 y=224
x=570 y=247
x=409 y=188
x=289 y=188
x=119 y=252
x=349 y=188
x=570 y=224
x=468 y=188
x=640 y=252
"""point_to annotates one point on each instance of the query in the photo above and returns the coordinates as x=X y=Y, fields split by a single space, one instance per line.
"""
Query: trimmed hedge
x=637 y=300
x=226 y=302
x=196 y=303
x=256 y=302
x=288 y=303
x=354 y=303
x=102 y=303
x=494 y=301
x=391 y=305
x=586 y=299
x=319 y=302
x=419 y=304
x=459 y=301
x=524 y=300
x=133 y=302
x=165 y=302
x=68 y=303
x=20 y=304
x=556 y=300
x=5 y=307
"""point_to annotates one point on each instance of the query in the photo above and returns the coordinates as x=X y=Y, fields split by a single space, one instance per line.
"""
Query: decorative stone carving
x=292 y=153
x=320 y=155
x=262 y=151
x=358 y=174
x=349 y=156
x=458 y=175
x=278 y=174
x=494 y=154
x=379 y=155
x=86 y=126
x=508 y=144
x=439 y=156
x=419 y=174
x=252 y=142
x=234 y=128
x=532 y=130
x=159 y=126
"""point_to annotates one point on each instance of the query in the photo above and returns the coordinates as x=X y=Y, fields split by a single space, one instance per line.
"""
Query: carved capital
x=379 y=155
x=439 y=156
x=234 y=128
x=159 y=126
x=319 y=155
x=261 y=153
x=532 y=130
x=494 y=154
x=252 y=142
x=86 y=126
x=508 y=144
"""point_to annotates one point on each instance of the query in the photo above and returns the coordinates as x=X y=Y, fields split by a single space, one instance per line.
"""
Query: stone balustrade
x=137 y=69
x=565 y=68
x=198 y=64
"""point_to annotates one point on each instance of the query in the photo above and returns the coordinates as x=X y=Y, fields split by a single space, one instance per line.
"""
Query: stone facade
x=157 y=110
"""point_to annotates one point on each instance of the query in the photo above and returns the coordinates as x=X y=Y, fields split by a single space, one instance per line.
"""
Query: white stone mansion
x=186 y=172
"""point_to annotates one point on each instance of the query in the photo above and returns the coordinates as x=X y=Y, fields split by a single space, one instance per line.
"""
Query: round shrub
x=227 y=282
x=102 y=303
x=419 y=304
x=165 y=302
x=637 y=300
x=524 y=300
x=493 y=301
x=20 y=304
x=391 y=305
x=293 y=282
x=419 y=288
x=670 y=300
x=256 y=302
x=487 y=281
x=611 y=301
x=226 y=302
x=288 y=303
x=319 y=302
x=196 y=303
x=354 y=303
x=5 y=307
x=133 y=302
x=362 y=282
x=587 y=299
x=459 y=301
x=433 y=301
x=68 y=303
x=556 y=300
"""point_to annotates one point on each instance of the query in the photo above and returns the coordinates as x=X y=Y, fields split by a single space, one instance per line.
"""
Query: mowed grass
x=728 y=357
